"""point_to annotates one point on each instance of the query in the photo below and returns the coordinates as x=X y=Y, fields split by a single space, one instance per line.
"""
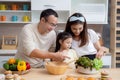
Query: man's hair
x=47 y=12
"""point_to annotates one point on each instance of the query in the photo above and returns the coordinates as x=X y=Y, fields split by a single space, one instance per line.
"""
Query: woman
x=85 y=41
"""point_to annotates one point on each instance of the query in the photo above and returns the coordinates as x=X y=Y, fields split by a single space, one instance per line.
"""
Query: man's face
x=50 y=24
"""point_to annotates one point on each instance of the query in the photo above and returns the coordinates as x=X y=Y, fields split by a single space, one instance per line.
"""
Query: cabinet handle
x=49 y=6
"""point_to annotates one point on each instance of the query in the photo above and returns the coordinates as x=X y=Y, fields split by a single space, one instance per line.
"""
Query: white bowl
x=87 y=70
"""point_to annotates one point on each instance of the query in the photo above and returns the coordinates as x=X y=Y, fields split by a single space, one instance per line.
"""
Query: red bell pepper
x=27 y=66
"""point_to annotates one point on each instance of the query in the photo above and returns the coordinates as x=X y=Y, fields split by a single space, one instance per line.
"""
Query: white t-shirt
x=73 y=57
x=89 y=47
x=31 y=39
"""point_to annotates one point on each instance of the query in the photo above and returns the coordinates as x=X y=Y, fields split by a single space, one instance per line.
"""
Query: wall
x=14 y=29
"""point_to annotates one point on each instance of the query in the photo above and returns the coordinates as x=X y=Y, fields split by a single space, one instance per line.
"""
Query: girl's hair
x=78 y=18
x=61 y=36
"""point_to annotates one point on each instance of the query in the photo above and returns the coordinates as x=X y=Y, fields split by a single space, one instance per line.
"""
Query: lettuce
x=88 y=63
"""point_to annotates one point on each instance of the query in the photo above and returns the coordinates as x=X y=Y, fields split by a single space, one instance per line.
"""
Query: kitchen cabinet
x=95 y=11
x=15 y=11
x=34 y=10
x=61 y=6
x=54 y=4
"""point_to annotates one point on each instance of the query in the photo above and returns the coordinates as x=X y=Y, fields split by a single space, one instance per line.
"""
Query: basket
x=56 y=68
x=21 y=72
x=17 y=72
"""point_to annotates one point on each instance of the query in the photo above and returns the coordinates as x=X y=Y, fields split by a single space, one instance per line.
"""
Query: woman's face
x=77 y=29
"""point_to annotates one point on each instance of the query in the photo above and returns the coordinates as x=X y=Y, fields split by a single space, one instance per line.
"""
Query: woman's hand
x=100 y=53
x=100 y=50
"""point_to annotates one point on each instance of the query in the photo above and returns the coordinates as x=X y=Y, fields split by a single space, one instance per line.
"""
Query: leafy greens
x=88 y=63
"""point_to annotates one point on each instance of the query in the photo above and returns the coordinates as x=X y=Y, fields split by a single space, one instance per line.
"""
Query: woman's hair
x=78 y=18
x=47 y=12
x=61 y=36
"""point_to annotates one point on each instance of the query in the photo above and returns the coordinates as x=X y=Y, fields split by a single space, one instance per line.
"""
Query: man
x=36 y=39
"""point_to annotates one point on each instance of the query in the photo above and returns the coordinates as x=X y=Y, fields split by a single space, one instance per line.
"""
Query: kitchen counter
x=42 y=74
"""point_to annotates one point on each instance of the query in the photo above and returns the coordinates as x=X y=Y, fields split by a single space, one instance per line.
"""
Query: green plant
x=88 y=63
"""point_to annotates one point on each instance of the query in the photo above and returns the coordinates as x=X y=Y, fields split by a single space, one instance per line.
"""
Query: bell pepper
x=11 y=61
x=21 y=66
x=13 y=67
x=17 y=60
x=6 y=66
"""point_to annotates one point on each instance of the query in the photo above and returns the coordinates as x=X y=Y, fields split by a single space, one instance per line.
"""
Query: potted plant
x=88 y=66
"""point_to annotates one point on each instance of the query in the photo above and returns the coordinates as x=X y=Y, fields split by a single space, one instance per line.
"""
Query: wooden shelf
x=117 y=55
x=117 y=21
x=118 y=28
x=117 y=41
x=117 y=50
x=117 y=61
x=117 y=35
x=118 y=7
x=14 y=22
x=118 y=14
x=16 y=0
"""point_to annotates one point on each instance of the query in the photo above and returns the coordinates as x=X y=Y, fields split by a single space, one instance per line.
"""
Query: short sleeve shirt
x=31 y=39
x=89 y=47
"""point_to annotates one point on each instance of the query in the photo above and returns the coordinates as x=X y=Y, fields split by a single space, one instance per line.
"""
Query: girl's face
x=66 y=44
x=77 y=29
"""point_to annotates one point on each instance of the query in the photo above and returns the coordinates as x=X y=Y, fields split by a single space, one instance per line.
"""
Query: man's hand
x=59 y=56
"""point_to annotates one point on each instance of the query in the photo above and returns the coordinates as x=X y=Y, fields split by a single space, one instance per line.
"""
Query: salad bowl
x=88 y=66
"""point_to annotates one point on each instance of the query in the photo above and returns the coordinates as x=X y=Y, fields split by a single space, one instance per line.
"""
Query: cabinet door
x=62 y=7
x=95 y=11
x=54 y=4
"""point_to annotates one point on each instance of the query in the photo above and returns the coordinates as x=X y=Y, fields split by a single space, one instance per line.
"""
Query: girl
x=85 y=41
x=63 y=44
